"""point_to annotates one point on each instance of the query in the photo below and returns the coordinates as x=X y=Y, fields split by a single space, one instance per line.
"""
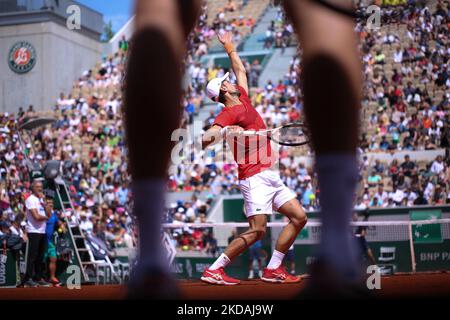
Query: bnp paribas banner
x=431 y=241
x=390 y=244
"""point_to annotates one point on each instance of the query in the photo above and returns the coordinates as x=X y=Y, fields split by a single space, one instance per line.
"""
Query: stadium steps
x=254 y=9
x=200 y=117
x=256 y=40
x=203 y=114
x=277 y=66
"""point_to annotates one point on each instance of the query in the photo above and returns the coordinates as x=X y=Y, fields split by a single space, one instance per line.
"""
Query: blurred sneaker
x=218 y=277
x=279 y=275
x=30 y=284
x=55 y=282
x=260 y=274
x=43 y=283
x=251 y=274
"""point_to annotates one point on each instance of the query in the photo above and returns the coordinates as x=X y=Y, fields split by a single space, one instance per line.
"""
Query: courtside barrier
x=410 y=233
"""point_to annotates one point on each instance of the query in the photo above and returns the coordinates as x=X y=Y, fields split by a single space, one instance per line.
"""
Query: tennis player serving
x=262 y=188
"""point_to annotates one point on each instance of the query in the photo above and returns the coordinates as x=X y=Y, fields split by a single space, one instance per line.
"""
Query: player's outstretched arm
x=216 y=133
x=212 y=136
x=236 y=63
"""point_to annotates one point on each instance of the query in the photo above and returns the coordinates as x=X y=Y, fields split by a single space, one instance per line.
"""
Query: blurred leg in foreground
x=152 y=111
x=331 y=84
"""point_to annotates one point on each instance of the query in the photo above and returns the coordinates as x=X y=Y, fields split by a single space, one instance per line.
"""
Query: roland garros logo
x=22 y=57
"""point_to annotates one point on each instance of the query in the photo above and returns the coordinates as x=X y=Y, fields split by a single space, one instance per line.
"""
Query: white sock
x=337 y=175
x=149 y=199
x=276 y=260
x=221 y=262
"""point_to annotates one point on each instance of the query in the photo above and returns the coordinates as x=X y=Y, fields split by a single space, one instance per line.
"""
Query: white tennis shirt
x=34 y=226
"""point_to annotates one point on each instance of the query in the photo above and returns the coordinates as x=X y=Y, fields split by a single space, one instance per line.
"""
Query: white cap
x=213 y=87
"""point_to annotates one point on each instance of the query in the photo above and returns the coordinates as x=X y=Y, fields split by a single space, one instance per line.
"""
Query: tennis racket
x=290 y=135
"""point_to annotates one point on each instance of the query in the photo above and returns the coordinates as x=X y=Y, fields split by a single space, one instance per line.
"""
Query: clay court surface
x=398 y=286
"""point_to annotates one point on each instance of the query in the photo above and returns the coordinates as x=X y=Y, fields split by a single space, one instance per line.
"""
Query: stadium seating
x=105 y=91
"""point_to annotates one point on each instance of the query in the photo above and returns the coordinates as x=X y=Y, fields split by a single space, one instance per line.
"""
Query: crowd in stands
x=382 y=184
x=280 y=32
x=87 y=137
x=198 y=44
x=407 y=83
x=193 y=211
x=405 y=107
x=411 y=183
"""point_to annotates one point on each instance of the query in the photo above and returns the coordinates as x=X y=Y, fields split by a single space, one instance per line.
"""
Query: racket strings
x=289 y=135
x=294 y=134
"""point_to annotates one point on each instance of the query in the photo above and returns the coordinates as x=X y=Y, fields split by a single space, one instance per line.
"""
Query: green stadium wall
x=431 y=250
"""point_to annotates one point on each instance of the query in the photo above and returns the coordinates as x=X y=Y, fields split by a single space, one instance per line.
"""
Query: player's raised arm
x=236 y=63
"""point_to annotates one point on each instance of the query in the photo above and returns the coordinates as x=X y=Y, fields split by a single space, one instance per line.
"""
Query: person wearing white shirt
x=74 y=121
x=84 y=107
x=85 y=224
x=397 y=195
x=437 y=166
x=190 y=212
x=398 y=56
x=16 y=227
x=428 y=190
x=360 y=205
x=10 y=155
x=109 y=196
x=36 y=222
x=412 y=196
x=115 y=103
x=381 y=194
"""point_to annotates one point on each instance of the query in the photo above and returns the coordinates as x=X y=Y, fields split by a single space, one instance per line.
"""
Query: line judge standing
x=37 y=217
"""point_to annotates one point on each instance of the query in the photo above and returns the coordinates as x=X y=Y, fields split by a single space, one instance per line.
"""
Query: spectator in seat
x=381 y=194
x=408 y=166
x=378 y=167
x=230 y=6
x=373 y=179
x=397 y=196
x=437 y=166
